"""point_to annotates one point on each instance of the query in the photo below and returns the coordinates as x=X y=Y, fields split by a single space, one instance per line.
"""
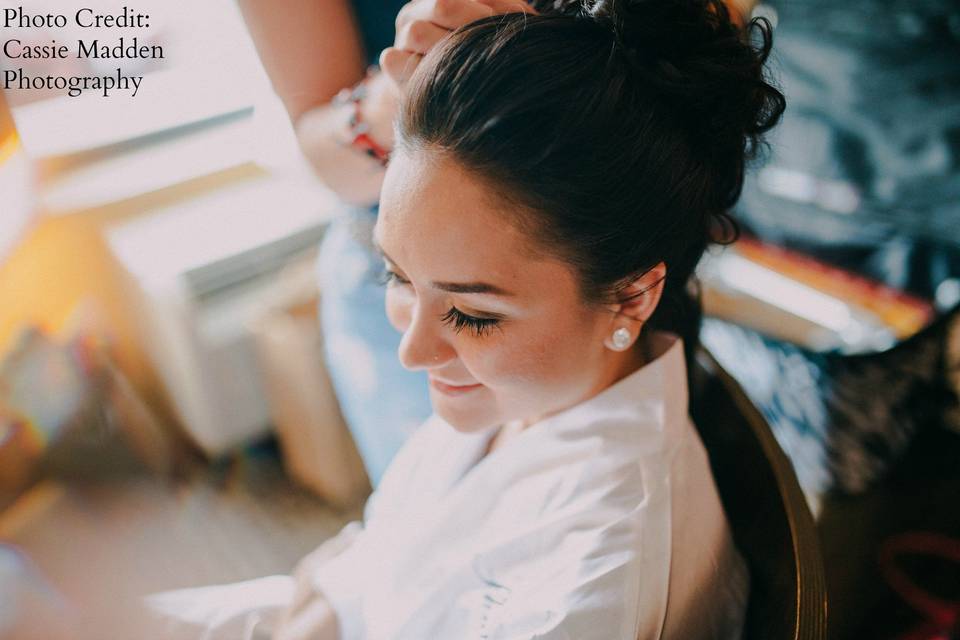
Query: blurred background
x=157 y=324
x=166 y=418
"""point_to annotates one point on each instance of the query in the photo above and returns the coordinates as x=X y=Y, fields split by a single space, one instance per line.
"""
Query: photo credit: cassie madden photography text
x=75 y=52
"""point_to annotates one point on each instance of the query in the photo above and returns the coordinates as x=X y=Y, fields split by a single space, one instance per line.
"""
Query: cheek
x=534 y=359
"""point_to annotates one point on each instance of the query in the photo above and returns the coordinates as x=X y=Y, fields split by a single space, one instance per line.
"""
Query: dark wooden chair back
x=771 y=521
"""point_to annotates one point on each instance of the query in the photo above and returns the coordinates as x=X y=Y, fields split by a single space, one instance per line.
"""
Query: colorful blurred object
x=899 y=311
x=20 y=453
x=66 y=410
x=799 y=299
x=40 y=389
x=30 y=607
x=16 y=187
x=941 y=613
x=42 y=383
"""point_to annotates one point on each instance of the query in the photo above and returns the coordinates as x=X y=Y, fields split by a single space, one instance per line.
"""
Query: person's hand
x=421 y=24
x=313 y=620
x=309 y=615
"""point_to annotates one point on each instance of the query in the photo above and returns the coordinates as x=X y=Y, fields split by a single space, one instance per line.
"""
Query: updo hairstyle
x=618 y=130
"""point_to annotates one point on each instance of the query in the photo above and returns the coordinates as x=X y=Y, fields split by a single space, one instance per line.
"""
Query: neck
x=627 y=362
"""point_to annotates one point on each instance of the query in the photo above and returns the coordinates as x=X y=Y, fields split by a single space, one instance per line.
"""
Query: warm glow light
x=15 y=183
x=800 y=300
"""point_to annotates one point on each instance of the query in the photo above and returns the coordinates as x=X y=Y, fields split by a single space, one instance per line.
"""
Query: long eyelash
x=461 y=321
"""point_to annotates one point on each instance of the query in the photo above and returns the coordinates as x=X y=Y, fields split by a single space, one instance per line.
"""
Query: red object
x=903 y=313
x=942 y=615
x=359 y=129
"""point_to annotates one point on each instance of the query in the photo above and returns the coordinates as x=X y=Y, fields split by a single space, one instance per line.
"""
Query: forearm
x=311 y=50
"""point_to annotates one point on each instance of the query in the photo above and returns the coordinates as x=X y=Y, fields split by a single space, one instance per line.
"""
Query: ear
x=635 y=304
x=638 y=300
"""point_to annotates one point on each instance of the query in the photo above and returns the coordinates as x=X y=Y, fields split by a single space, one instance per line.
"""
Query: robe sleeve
x=342 y=576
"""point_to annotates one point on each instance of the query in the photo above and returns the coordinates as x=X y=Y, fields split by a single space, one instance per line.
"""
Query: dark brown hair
x=621 y=128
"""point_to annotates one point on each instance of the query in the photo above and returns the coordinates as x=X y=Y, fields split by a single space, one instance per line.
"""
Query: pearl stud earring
x=621 y=339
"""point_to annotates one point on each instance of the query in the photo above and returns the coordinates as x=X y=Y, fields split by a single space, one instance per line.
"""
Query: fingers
x=449 y=14
x=508 y=6
x=301 y=598
x=303 y=593
x=421 y=24
x=399 y=65
x=419 y=36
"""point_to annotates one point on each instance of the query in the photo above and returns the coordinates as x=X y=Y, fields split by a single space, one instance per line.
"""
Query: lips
x=453 y=389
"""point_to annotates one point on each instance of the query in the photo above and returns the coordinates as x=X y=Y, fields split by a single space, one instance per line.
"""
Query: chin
x=464 y=419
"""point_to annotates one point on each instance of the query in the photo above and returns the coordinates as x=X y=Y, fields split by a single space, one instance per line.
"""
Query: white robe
x=600 y=522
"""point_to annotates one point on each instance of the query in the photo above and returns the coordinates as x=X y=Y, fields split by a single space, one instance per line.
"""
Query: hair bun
x=665 y=30
x=694 y=54
x=709 y=70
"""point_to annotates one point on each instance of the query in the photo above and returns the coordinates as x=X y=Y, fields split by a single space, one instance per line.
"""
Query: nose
x=424 y=345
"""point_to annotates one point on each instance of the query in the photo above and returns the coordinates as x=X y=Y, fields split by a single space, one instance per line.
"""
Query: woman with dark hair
x=555 y=181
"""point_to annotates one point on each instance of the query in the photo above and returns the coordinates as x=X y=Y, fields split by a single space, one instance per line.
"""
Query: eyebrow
x=456 y=287
x=471 y=287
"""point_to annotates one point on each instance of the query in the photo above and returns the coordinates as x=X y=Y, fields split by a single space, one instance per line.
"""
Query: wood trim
x=810 y=619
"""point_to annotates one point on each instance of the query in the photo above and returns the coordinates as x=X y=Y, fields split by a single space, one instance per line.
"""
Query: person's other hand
x=421 y=24
x=309 y=615
x=313 y=620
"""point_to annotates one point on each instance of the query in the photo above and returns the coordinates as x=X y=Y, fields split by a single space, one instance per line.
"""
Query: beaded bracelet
x=359 y=129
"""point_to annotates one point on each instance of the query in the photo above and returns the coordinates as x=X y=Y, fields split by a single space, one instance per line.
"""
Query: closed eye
x=460 y=321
